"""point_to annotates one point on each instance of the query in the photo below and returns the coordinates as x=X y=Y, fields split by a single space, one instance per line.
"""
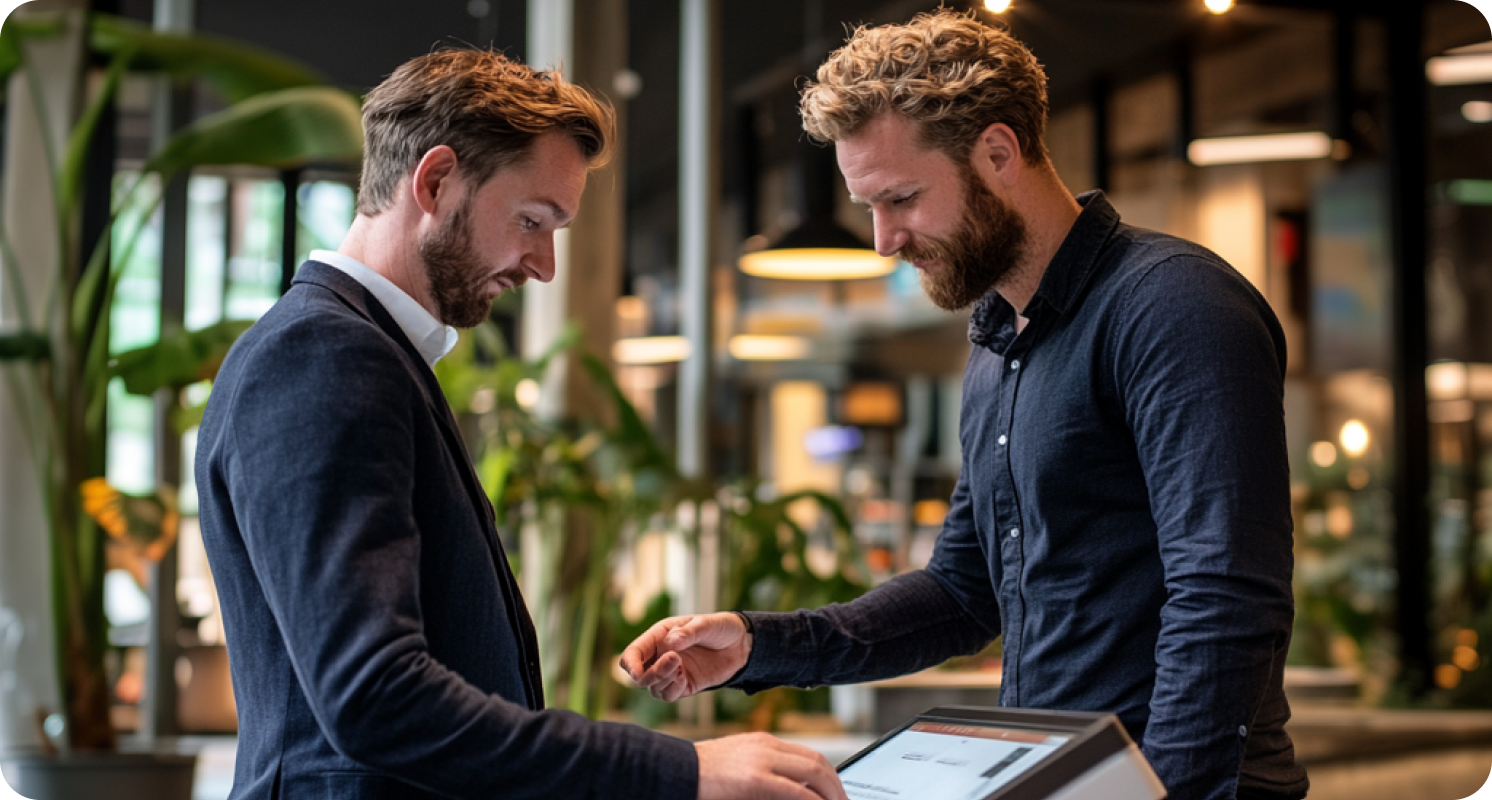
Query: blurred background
x=669 y=428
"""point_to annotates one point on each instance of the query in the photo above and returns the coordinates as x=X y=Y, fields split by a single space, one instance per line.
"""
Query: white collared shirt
x=429 y=336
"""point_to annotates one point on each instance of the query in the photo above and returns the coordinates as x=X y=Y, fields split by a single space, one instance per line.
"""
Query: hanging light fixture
x=819 y=248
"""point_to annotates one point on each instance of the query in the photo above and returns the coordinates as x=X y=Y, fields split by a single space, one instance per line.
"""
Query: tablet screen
x=932 y=760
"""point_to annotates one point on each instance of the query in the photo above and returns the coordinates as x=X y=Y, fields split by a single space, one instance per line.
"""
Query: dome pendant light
x=820 y=248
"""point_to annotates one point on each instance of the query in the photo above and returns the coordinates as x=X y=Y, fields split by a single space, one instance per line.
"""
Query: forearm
x=904 y=625
x=415 y=720
x=1222 y=646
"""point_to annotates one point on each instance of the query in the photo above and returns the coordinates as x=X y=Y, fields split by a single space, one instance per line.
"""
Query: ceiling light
x=650 y=350
x=997 y=6
x=1477 y=111
x=1219 y=6
x=819 y=249
x=749 y=347
x=1252 y=149
x=1458 y=70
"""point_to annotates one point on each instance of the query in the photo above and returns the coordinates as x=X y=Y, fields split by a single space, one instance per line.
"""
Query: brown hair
x=485 y=107
x=944 y=70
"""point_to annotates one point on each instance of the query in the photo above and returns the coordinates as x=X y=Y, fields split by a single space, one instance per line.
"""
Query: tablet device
x=971 y=753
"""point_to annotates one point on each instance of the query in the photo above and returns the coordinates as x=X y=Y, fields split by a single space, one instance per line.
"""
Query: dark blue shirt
x=1121 y=517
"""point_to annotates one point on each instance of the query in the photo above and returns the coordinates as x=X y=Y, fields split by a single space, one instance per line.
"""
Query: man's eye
x=903 y=200
x=529 y=224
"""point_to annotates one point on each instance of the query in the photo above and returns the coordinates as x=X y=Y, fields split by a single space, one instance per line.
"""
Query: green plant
x=590 y=485
x=56 y=364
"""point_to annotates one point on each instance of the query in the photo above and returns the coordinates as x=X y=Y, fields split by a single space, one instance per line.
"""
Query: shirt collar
x=428 y=335
x=1065 y=278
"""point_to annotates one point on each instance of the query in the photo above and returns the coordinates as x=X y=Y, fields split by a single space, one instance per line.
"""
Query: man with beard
x=379 y=645
x=1121 y=519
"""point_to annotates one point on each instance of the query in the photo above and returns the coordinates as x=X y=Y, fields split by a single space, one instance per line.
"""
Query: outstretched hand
x=681 y=656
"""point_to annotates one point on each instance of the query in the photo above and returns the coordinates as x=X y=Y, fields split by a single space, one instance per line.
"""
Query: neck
x=1049 y=211
x=385 y=246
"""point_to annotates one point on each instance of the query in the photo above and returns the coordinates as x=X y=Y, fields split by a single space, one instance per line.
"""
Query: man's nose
x=889 y=239
x=540 y=261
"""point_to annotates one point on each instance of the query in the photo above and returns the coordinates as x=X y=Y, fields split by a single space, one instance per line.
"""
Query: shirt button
x=1002 y=439
x=1243 y=730
x=1015 y=364
x=1014 y=532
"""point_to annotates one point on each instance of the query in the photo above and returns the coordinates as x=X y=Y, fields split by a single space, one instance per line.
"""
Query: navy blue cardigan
x=378 y=642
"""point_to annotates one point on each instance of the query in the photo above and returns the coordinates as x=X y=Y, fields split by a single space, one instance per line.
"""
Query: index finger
x=811 y=769
x=644 y=649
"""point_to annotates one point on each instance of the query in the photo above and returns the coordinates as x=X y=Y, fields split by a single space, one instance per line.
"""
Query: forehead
x=886 y=153
x=553 y=173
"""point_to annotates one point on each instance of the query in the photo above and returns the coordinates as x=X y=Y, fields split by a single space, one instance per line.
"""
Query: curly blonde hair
x=944 y=70
x=485 y=107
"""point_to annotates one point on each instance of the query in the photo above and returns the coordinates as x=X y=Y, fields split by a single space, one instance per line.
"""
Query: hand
x=755 y=766
x=681 y=656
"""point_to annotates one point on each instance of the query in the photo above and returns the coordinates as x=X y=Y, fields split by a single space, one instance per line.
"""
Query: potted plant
x=55 y=355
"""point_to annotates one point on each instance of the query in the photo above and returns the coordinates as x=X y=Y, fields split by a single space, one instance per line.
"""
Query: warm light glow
x=1355 y=438
x=1447 y=676
x=1466 y=637
x=1459 y=70
x=526 y=393
x=1477 y=111
x=631 y=307
x=1339 y=521
x=1253 y=149
x=650 y=350
x=997 y=6
x=1219 y=6
x=1358 y=478
x=817 y=264
x=1466 y=658
x=747 y=347
x=1323 y=454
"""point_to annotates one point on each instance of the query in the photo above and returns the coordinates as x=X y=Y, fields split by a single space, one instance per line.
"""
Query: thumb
x=686 y=635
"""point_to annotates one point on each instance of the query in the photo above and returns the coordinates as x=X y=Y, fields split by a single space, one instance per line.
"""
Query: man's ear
x=997 y=153
x=435 y=176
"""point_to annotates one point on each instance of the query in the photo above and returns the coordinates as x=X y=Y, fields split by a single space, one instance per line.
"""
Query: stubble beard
x=988 y=244
x=458 y=278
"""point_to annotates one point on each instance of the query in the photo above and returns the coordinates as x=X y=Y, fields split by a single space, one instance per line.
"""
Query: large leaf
x=18 y=28
x=178 y=359
x=236 y=70
x=24 y=346
x=278 y=129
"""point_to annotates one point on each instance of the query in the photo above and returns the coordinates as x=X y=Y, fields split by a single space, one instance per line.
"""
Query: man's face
x=502 y=234
x=934 y=213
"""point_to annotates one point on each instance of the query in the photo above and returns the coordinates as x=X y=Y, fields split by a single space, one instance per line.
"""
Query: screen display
x=932 y=760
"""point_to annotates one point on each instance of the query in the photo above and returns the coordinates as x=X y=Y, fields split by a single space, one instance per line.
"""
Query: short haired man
x=380 y=648
x=1122 y=513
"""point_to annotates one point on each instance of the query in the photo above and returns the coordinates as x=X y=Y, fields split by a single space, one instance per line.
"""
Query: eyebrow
x=881 y=195
x=563 y=217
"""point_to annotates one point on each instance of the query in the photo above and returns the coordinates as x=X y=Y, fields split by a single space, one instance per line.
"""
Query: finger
x=809 y=767
x=663 y=670
x=646 y=647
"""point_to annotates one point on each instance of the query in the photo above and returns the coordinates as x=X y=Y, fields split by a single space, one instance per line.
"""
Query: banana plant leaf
x=24 y=346
x=235 y=70
x=276 y=129
x=177 y=359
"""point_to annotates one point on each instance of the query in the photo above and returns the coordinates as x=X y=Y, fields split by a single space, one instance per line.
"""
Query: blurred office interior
x=1370 y=233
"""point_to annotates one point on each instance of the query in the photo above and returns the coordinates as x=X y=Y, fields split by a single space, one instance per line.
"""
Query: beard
x=458 y=278
x=987 y=245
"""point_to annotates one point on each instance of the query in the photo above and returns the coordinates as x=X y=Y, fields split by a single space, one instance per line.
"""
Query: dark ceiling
x=766 y=47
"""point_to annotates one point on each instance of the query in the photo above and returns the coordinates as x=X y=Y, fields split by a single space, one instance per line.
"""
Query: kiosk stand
x=968 y=753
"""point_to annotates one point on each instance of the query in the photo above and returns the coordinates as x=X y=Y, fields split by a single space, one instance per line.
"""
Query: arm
x=1200 y=366
x=320 y=478
x=914 y=621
